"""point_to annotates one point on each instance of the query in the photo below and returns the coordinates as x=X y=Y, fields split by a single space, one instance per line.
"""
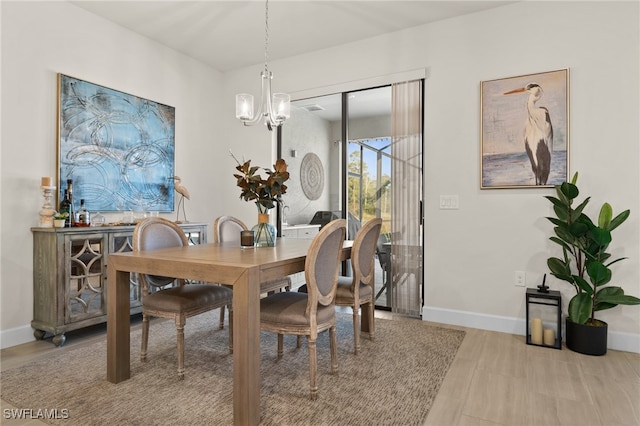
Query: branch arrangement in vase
x=265 y=192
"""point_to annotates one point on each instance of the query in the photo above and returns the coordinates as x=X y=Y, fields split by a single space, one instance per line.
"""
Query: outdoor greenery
x=363 y=188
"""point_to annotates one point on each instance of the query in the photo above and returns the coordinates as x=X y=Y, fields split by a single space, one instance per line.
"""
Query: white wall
x=306 y=133
x=40 y=39
x=471 y=253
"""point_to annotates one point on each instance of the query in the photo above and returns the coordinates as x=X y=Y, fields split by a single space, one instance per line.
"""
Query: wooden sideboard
x=70 y=275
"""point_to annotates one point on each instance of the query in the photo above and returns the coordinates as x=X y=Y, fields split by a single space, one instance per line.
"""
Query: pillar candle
x=549 y=336
x=536 y=331
x=45 y=181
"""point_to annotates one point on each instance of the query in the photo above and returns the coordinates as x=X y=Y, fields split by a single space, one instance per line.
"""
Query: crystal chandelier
x=273 y=109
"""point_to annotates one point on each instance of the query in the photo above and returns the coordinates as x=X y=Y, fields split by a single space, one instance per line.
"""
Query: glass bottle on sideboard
x=65 y=205
x=83 y=215
x=72 y=210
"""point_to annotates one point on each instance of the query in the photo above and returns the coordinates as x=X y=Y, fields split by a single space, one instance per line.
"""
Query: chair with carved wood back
x=358 y=290
x=161 y=297
x=307 y=314
x=226 y=229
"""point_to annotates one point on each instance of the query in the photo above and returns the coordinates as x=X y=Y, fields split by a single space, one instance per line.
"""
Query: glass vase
x=264 y=231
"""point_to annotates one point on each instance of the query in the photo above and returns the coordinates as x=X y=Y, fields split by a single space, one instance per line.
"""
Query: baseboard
x=616 y=340
x=620 y=341
x=16 y=336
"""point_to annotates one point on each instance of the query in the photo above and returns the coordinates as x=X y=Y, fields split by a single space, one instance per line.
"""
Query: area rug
x=393 y=381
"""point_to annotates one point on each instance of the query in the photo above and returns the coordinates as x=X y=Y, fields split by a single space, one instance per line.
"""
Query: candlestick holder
x=47 y=212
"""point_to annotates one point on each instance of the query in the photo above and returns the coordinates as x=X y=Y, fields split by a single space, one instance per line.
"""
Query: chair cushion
x=188 y=297
x=344 y=289
x=288 y=308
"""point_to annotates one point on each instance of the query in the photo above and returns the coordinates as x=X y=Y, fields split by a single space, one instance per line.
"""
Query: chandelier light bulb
x=282 y=106
x=244 y=106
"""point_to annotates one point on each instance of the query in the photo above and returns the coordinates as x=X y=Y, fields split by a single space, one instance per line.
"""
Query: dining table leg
x=118 y=325
x=246 y=348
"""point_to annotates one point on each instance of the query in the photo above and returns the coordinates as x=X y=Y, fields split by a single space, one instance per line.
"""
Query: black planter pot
x=586 y=339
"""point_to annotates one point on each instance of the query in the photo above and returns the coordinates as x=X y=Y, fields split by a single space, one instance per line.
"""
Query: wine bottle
x=72 y=210
x=65 y=207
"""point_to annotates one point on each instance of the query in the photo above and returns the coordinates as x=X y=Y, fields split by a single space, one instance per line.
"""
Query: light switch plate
x=449 y=202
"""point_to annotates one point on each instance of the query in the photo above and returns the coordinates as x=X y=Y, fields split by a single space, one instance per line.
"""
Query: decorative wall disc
x=312 y=176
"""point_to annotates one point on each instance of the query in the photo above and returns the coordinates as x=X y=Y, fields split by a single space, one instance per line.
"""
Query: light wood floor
x=495 y=379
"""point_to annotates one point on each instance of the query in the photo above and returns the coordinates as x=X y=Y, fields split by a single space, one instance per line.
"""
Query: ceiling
x=229 y=35
x=363 y=103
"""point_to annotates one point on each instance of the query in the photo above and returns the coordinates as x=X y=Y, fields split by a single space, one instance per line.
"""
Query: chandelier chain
x=266 y=36
x=274 y=108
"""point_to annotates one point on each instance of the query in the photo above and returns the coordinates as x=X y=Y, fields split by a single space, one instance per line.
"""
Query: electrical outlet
x=521 y=279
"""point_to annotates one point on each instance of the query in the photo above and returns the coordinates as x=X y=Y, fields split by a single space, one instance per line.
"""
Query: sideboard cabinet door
x=84 y=275
x=70 y=275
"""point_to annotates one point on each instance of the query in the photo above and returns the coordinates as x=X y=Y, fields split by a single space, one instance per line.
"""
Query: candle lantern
x=544 y=318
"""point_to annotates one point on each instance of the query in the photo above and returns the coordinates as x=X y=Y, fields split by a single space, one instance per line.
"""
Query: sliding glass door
x=365 y=175
x=368 y=167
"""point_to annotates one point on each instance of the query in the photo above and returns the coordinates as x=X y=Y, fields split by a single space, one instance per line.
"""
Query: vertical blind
x=406 y=195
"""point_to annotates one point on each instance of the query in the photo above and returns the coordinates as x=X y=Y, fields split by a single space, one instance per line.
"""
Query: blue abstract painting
x=117 y=148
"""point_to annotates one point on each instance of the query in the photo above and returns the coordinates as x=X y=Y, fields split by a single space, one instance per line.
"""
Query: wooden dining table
x=243 y=269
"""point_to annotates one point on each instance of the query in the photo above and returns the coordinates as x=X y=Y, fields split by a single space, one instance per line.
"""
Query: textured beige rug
x=393 y=381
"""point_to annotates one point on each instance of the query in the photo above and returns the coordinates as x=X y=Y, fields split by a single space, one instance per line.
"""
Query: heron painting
x=525 y=135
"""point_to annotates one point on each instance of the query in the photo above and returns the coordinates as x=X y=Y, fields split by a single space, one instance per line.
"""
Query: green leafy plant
x=585 y=263
x=265 y=192
x=61 y=216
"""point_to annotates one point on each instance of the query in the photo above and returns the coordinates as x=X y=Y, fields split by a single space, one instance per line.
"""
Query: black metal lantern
x=544 y=316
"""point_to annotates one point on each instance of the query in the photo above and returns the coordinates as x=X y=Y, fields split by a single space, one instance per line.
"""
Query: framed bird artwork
x=524 y=135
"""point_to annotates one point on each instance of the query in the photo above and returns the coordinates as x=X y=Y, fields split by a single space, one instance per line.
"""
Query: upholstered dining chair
x=226 y=229
x=161 y=297
x=358 y=289
x=307 y=314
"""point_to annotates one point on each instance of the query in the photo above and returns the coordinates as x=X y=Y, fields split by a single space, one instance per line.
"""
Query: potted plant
x=586 y=266
x=60 y=219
